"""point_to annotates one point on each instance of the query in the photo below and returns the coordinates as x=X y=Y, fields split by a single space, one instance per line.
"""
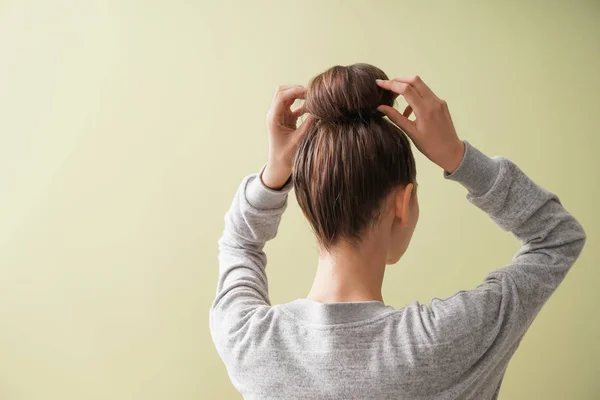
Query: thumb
x=397 y=118
x=303 y=128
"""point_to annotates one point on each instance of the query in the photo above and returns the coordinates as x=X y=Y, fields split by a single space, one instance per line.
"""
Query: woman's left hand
x=284 y=134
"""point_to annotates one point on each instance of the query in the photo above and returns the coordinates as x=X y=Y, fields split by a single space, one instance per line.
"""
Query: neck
x=349 y=274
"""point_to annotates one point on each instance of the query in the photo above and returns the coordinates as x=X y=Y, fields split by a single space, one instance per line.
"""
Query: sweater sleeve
x=551 y=239
x=485 y=325
x=252 y=220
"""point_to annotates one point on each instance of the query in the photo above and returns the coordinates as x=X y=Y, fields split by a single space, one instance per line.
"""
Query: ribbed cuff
x=262 y=197
x=477 y=172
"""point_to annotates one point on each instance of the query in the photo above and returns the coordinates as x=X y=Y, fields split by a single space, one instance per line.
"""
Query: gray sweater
x=453 y=348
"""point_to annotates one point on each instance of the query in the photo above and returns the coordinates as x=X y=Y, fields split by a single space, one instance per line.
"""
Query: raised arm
x=551 y=238
x=507 y=301
x=253 y=219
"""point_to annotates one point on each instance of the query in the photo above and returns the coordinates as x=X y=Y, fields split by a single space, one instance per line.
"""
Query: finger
x=304 y=128
x=403 y=123
x=407 y=111
x=409 y=93
x=284 y=99
x=420 y=86
x=299 y=111
x=282 y=88
x=293 y=93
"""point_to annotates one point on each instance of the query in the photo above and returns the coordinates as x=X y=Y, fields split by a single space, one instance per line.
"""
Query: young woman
x=354 y=179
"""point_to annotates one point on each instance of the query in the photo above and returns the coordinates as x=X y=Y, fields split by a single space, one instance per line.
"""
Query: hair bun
x=347 y=94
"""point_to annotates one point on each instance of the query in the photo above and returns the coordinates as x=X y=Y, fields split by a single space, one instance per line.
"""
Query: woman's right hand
x=432 y=131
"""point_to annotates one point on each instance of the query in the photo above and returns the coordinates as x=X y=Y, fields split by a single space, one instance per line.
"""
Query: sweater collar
x=317 y=313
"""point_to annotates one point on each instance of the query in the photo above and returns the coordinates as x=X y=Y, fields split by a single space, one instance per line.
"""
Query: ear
x=403 y=198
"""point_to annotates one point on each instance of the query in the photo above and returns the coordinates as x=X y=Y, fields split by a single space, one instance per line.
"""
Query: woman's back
x=296 y=352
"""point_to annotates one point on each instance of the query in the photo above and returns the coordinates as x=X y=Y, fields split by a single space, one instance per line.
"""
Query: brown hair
x=352 y=157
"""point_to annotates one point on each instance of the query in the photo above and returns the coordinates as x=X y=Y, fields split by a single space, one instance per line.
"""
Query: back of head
x=352 y=157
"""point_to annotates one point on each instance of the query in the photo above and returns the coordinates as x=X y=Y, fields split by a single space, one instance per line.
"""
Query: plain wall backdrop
x=126 y=127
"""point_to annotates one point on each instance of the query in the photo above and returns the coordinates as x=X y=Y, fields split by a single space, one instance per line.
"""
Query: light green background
x=126 y=126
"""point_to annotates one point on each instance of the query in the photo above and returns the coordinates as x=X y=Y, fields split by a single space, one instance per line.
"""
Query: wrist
x=275 y=176
x=455 y=158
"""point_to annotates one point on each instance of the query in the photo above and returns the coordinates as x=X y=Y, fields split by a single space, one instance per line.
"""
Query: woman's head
x=354 y=170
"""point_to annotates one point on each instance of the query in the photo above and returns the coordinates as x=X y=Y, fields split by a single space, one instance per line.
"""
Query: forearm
x=511 y=198
x=252 y=220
